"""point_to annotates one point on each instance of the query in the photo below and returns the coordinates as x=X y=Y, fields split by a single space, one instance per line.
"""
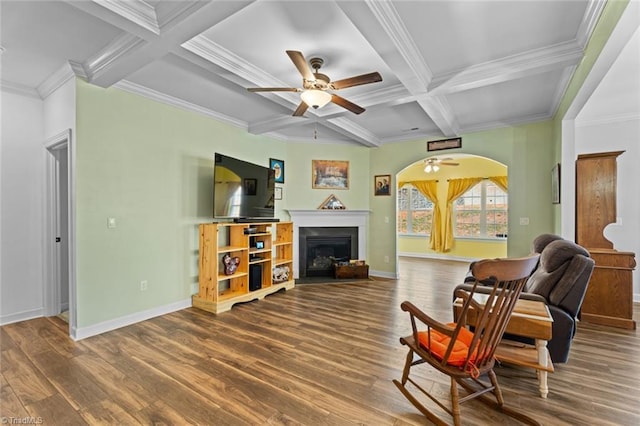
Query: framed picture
x=277 y=192
x=555 y=184
x=444 y=144
x=278 y=169
x=382 y=185
x=329 y=174
x=249 y=186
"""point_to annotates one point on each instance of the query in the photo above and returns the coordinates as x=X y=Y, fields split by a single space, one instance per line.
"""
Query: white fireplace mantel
x=320 y=218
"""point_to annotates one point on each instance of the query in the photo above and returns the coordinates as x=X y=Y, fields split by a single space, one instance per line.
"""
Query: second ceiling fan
x=316 y=86
x=433 y=164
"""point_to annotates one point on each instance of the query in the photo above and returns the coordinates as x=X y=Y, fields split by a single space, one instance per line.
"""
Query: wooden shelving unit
x=262 y=248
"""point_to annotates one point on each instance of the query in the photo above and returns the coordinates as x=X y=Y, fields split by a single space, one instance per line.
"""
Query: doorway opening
x=59 y=244
x=478 y=221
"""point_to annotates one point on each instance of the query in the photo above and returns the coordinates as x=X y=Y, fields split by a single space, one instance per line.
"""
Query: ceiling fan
x=433 y=164
x=316 y=86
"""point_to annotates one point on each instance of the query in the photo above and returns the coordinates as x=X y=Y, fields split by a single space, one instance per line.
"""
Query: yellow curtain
x=501 y=181
x=457 y=187
x=429 y=188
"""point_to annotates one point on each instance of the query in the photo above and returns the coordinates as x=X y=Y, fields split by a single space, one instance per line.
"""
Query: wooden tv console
x=265 y=254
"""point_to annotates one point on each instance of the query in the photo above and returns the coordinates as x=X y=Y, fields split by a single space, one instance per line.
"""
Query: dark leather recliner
x=560 y=280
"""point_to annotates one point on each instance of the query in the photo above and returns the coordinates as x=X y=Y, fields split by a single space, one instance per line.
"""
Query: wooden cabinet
x=609 y=297
x=264 y=252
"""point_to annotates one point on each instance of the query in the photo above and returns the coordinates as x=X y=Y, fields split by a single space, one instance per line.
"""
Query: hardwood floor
x=319 y=354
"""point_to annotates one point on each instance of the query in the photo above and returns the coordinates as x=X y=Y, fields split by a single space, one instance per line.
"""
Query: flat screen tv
x=242 y=190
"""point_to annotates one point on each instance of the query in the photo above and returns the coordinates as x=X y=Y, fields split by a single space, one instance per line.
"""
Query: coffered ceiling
x=448 y=67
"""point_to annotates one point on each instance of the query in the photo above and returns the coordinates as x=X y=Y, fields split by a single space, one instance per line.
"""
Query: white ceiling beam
x=348 y=128
x=276 y=123
x=518 y=66
x=130 y=53
x=396 y=47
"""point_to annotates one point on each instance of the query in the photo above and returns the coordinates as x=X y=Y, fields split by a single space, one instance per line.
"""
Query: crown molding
x=490 y=125
x=603 y=121
x=563 y=84
x=176 y=102
x=589 y=21
x=119 y=47
x=19 y=89
x=66 y=72
x=137 y=11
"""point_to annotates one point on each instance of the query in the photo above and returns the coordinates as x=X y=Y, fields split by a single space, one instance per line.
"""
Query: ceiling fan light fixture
x=315 y=98
x=428 y=168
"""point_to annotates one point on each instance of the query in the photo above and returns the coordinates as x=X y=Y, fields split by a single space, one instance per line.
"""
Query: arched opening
x=452 y=206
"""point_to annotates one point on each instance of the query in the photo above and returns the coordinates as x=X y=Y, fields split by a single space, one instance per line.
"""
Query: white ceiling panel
x=447 y=67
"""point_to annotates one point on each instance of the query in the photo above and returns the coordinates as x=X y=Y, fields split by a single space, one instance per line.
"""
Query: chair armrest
x=426 y=319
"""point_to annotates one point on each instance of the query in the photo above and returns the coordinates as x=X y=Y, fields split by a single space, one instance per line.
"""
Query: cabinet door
x=595 y=198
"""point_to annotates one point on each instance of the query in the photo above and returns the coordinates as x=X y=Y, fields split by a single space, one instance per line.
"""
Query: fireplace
x=321 y=247
x=320 y=218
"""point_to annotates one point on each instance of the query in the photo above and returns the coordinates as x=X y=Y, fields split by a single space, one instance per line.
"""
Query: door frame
x=52 y=281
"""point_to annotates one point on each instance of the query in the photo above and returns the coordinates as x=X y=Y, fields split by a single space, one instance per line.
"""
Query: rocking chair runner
x=462 y=354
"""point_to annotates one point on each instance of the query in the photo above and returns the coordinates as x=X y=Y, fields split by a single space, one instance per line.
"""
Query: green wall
x=149 y=166
x=527 y=152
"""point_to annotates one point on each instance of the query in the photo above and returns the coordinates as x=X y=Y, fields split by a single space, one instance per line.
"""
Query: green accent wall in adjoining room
x=527 y=152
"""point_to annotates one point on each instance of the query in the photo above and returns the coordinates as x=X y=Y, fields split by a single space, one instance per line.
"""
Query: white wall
x=619 y=136
x=27 y=122
x=21 y=207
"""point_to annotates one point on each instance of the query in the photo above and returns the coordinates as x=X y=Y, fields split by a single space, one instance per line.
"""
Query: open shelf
x=264 y=251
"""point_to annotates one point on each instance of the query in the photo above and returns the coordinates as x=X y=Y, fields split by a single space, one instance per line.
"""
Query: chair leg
x=496 y=387
x=407 y=367
x=455 y=404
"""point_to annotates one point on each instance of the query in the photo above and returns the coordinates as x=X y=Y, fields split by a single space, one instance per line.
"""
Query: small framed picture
x=382 y=185
x=277 y=193
x=249 y=186
x=278 y=169
x=259 y=244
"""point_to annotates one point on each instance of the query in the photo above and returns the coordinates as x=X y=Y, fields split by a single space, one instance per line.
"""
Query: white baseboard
x=21 y=316
x=438 y=256
x=102 y=327
x=381 y=274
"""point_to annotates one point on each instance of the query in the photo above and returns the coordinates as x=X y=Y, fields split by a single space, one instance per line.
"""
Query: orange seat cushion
x=440 y=342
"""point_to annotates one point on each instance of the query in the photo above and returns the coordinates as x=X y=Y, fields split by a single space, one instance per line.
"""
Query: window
x=482 y=212
x=415 y=211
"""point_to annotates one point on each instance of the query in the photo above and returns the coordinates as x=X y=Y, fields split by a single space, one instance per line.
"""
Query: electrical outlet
x=386 y=259
x=524 y=221
x=144 y=285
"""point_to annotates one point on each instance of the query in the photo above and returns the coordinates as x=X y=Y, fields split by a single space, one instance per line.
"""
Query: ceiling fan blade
x=302 y=108
x=373 y=77
x=447 y=163
x=338 y=100
x=301 y=63
x=273 y=89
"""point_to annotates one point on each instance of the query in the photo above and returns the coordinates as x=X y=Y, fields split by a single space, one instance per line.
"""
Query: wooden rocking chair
x=466 y=354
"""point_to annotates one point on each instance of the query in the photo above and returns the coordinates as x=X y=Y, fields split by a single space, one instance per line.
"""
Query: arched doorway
x=479 y=221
